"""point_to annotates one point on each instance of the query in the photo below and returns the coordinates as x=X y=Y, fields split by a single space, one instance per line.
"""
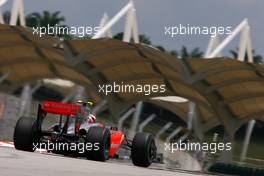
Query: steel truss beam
x=131 y=29
x=244 y=46
x=18 y=13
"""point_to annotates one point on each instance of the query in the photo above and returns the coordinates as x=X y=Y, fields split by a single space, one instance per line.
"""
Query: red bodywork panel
x=61 y=108
x=117 y=139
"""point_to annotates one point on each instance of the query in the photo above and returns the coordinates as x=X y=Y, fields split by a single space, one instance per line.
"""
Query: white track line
x=11 y=145
x=6 y=144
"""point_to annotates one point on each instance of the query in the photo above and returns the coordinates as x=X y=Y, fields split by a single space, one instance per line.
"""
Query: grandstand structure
x=216 y=91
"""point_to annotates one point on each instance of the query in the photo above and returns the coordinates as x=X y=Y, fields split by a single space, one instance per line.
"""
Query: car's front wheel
x=143 y=150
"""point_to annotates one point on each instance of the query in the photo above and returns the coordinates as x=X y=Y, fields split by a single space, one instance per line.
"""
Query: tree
x=161 y=48
x=174 y=52
x=119 y=36
x=196 y=53
x=142 y=38
x=256 y=57
x=185 y=54
x=7 y=17
x=46 y=18
x=36 y=19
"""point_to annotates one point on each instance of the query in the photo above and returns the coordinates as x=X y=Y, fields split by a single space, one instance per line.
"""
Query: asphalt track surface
x=19 y=163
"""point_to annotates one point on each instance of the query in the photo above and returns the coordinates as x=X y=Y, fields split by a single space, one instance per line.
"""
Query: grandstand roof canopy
x=226 y=91
x=27 y=58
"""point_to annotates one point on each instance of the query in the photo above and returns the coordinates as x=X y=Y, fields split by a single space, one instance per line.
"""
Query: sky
x=154 y=15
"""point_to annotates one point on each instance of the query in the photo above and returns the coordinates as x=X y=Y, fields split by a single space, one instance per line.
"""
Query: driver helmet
x=86 y=106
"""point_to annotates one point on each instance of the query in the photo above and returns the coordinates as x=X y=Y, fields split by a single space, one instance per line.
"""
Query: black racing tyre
x=100 y=138
x=143 y=150
x=25 y=134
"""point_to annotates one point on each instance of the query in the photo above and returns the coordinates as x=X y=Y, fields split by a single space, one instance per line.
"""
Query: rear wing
x=61 y=108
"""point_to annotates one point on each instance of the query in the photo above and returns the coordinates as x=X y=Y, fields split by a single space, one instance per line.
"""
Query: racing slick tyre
x=143 y=150
x=100 y=139
x=25 y=134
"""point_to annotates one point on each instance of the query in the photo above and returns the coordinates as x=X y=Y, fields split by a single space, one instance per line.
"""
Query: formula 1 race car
x=83 y=137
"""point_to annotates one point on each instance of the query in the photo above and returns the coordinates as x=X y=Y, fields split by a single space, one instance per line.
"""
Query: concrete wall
x=9 y=109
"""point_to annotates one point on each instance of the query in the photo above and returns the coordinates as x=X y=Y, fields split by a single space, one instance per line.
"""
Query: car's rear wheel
x=25 y=134
x=100 y=139
x=143 y=150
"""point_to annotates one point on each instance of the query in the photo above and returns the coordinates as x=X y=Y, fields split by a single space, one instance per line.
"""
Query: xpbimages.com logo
x=212 y=147
x=73 y=147
x=145 y=89
x=181 y=29
x=80 y=31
